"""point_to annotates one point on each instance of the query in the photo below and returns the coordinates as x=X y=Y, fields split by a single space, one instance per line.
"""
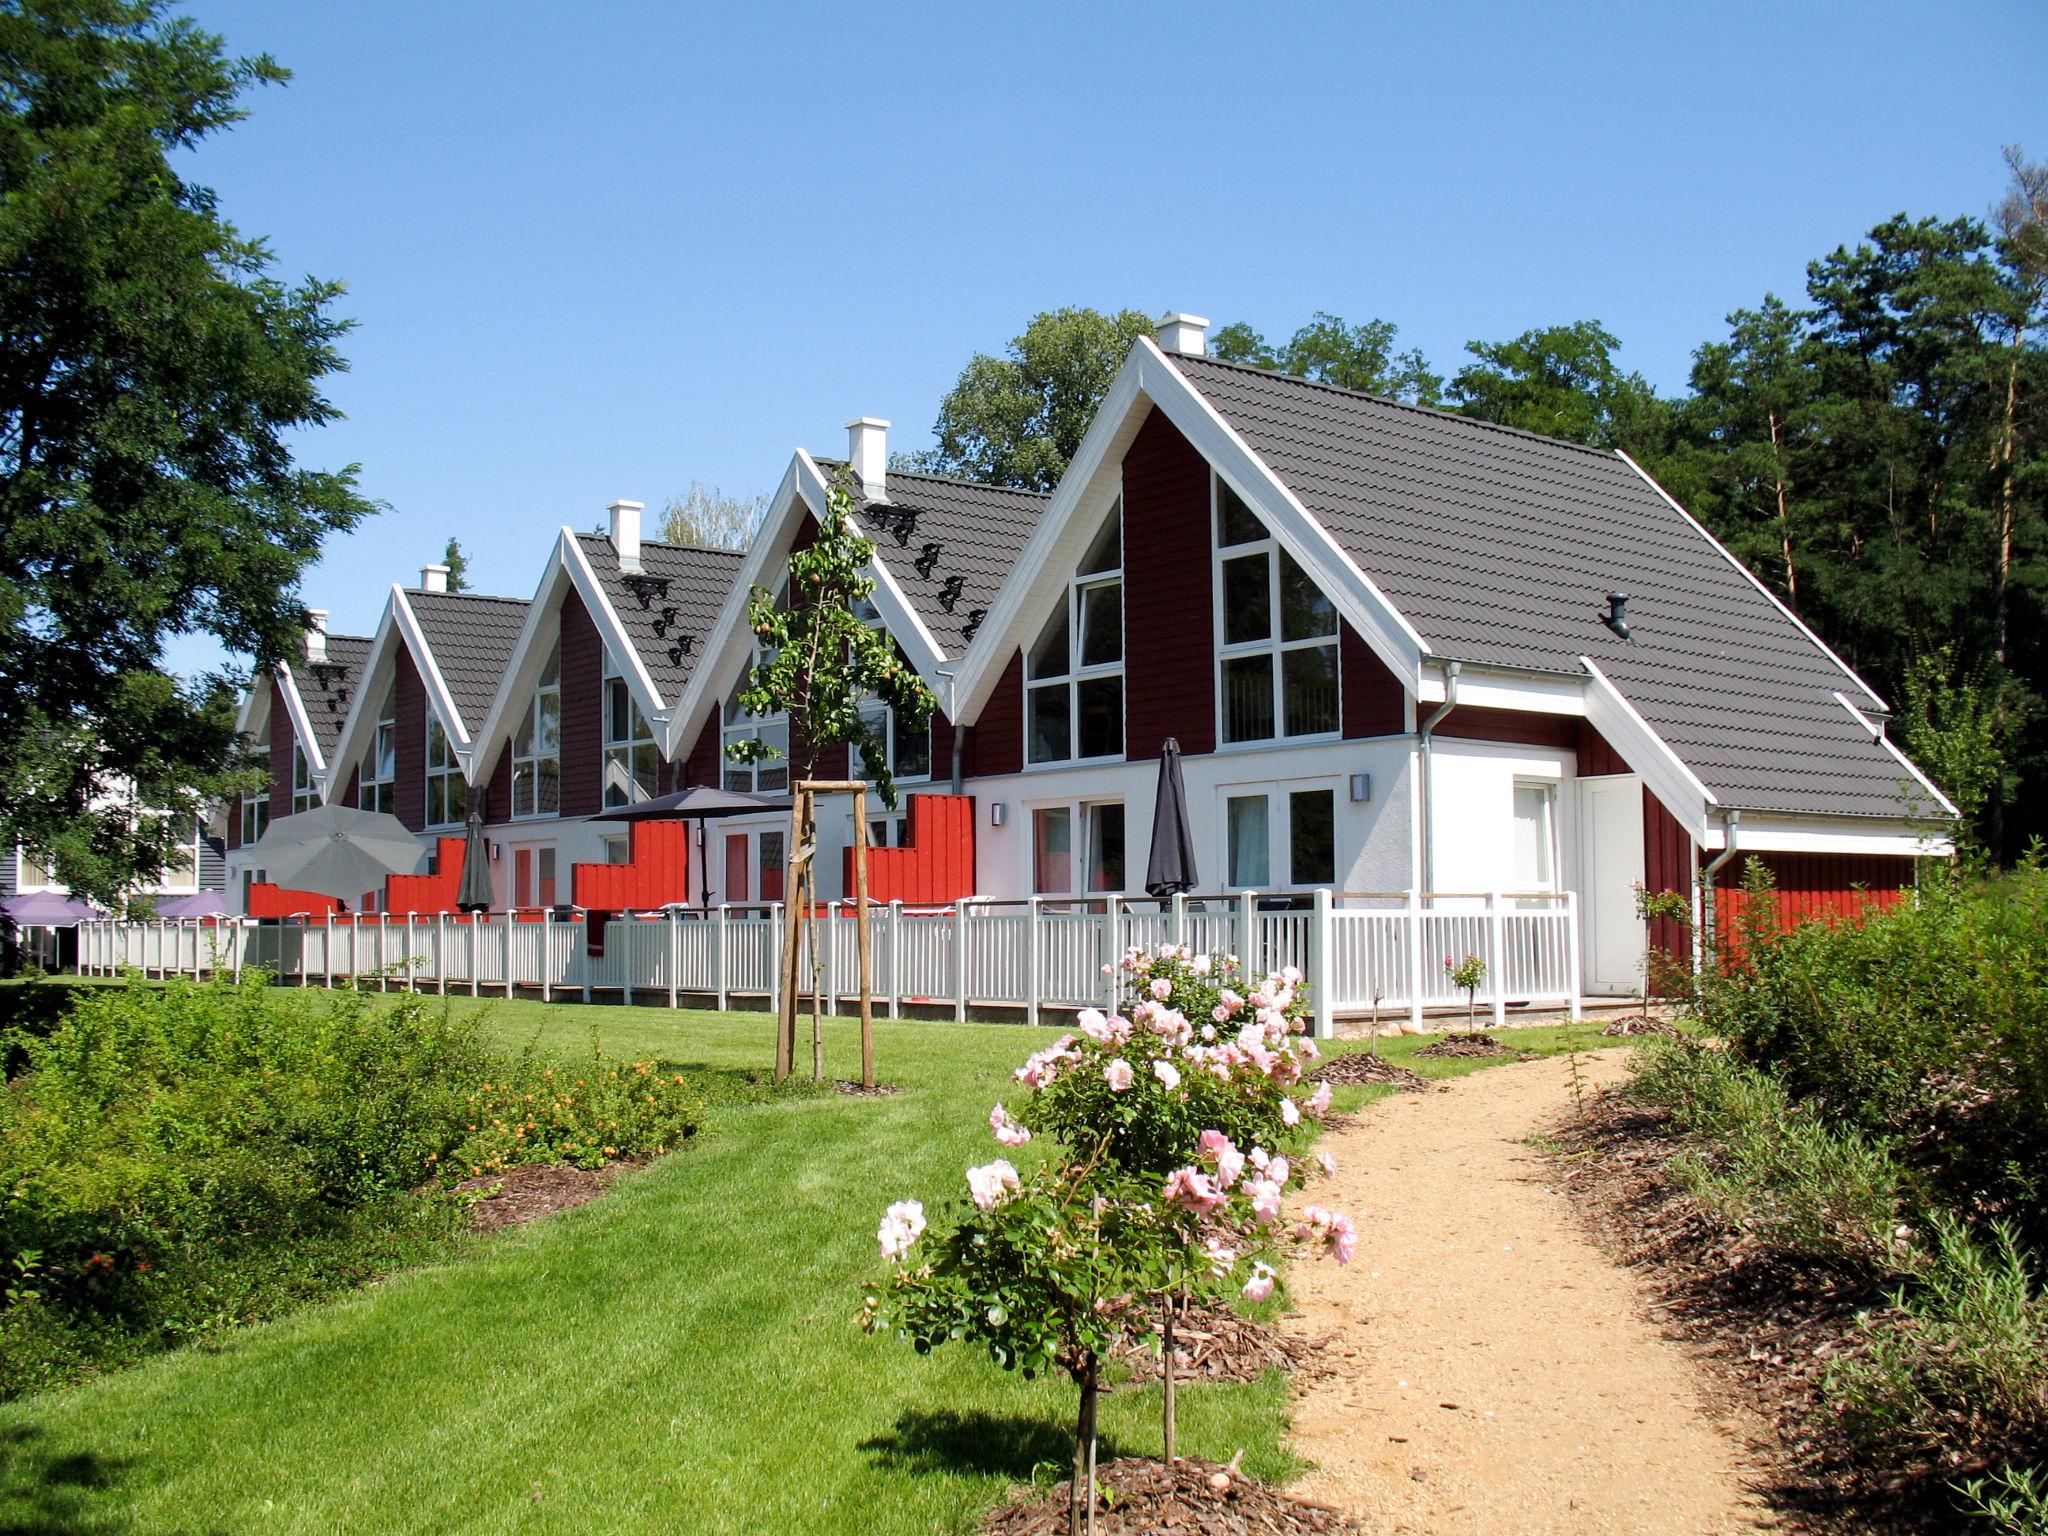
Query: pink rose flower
x=1167 y=1073
x=1265 y=1195
x=989 y=1183
x=1327 y=1163
x=1260 y=1286
x=1290 y=1112
x=1193 y=1189
x=1161 y=988
x=1319 y=1101
x=1006 y=1127
x=902 y=1225
x=1118 y=1075
x=1278 y=1170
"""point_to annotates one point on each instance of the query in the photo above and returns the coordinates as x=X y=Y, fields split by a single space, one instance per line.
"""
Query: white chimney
x=867 y=449
x=1183 y=333
x=626 y=534
x=433 y=578
x=316 y=634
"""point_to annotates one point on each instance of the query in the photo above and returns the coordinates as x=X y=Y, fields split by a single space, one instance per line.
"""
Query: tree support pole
x=863 y=938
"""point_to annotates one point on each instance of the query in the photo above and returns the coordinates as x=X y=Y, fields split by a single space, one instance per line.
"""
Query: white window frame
x=444 y=772
x=528 y=766
x=1082 y=830
x=768 y=776
x=884 y=715
x=1549 y=791
x=1072 y=596
x=1273 y=646
x=377 y=787
x=1278 y=795
x=620 y=751
x=255 y=817
x=305 y=793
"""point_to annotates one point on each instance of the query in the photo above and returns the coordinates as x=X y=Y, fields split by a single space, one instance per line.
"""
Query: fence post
x=675 y=958
x=547 y=954
x=240 y=929
x=476 y=961
x=441 y=953
x=1248 y=933
x=1571 y=952
x=581 y=950
x=775 y=959
x=719 y=983
x=896 y=959
x=411 y=971
x=1496 y=955
x=1322 y=968
x=1180 y=917
x=1415 y=983
x=327 y=946
x=1033 y=958
x=1114 y=948
x=960 y=960
x=831 y=958
x=510 y=918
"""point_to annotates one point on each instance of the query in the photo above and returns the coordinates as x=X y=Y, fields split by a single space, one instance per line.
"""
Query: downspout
x=1709 y=934
x=959 y=732
x=1451 y=669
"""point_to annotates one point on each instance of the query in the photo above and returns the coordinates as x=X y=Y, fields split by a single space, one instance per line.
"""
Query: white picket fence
x=1378 y=952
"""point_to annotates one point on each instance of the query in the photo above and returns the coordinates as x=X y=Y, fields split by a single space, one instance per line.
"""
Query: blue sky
x=605 y=250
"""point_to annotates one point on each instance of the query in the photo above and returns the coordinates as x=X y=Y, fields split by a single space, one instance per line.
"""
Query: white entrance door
x=1611 y=814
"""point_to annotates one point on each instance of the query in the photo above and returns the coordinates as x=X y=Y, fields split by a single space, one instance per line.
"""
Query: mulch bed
x=1195 y=1498
x=529 y=1193
x=1763 y=1330
x=1367 y=1068
x=1220 y=1345
x=879 y=1091
x=1473 y=1043
x=1640 y=1024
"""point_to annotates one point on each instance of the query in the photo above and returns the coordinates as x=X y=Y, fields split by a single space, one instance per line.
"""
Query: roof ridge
x=924 y=474
x=473 y=597
x=693 y=549
x=1388 y=400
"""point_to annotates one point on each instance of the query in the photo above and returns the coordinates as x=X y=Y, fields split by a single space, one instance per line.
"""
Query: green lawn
x=679 y=1356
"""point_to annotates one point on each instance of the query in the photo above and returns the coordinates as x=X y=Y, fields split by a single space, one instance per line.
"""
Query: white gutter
x=1709 y=936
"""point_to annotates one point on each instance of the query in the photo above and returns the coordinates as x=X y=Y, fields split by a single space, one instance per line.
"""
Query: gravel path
x=1495 y=1377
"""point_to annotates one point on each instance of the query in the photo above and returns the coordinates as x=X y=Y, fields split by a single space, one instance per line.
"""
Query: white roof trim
x=1663 y=771
x=302 y=724
x=1765 y=832
x=516 y=683
x=429 y=666
x=1751 y=577
x=349 y=742
x=610 y=630
x=1877 y=734
x=901 y=619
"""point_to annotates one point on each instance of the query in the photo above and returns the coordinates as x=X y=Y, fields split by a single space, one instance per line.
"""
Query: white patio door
x=1611 y=819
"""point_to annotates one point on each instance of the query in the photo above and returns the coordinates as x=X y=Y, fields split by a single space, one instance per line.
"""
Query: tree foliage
x=822 y=663
x=458 y=566
x=705 y=517
x=152 y=373
x=1360 y=357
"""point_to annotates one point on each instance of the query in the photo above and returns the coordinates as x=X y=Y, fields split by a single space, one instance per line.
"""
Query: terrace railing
x=1362 y=952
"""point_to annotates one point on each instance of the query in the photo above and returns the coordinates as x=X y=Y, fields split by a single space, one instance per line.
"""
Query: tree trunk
x=1081 y=1498
x=1784 y=515
x=1166 y=1374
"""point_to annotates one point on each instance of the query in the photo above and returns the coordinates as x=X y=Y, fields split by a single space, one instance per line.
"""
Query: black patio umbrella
x=473 y=893
x=1171 y=868
x=699 y=805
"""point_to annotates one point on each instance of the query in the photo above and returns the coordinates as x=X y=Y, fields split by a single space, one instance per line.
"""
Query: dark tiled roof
x=698 y=583
x=1500 y=546
x=472 y=637
x=980 y=530
x=328 y=688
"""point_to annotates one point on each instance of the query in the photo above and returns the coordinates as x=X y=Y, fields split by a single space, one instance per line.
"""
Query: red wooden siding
x=234 y=837
x=354 y=791
x=996 y=744
x=582 y=711
x=1476 y=722
x=281 y=741
x=657 y=874
x=1667 y=866
x=936 y=864
x=267 y=900
x=1596 y=756
x=498 y=787
x=1169 y=670
x=409 y=699
x=1374 y=700
x=701 y=765
x=1815 y=887
x=428 y=893
x=942 y=746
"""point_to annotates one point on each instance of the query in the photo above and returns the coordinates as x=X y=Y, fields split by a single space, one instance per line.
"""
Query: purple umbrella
x=48 y=909
x=201 y=904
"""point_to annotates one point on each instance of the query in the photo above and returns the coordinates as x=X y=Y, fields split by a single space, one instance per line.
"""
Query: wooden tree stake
x=863 y=939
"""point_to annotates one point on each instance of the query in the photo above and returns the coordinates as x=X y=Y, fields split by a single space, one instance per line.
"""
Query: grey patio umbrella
x=699 y=805
x=473 y=891
x=336 y=850
x=1171 y=867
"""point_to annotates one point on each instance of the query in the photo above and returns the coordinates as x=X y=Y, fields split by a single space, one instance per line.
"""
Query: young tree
x=704 y=516
x=153 y=373
x=458 y=566
x=1561 y=381
x=1016 y=420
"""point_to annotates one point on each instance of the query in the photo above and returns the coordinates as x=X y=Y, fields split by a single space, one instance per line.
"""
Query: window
x=255 y=817
x=447 y=790
x=632 y=763
x=304 y=794
x=770 y=775
x=770 y=862
x=910 y=750
x=537 y=746
x=378 y=788
x=1276 y=634
x=533 y=877
x=1535 y=837
x=30 y=871
x=618 y=850
x=181 y=867
x=1302 y=823
x=1074 y=671
x=1099 y=860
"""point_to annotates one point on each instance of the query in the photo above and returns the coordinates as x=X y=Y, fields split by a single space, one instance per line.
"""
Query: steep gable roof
x=657 y=624
x=1499 y=547
x=471 y=637
x=326 y=689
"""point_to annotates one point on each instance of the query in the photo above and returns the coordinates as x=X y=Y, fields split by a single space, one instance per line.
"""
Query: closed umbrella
x=1171 y=868
x=336 y=850
x=473 y=892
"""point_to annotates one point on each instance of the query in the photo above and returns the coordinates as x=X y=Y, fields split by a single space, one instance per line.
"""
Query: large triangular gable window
x=1276 y=634
x=1074 y=671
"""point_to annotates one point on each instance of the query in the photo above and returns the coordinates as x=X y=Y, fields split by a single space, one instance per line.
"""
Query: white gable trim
x=1751 y=577
x=1663 y=772
x=399 y=625
x=611 y=631
x=521 y=667
x=302 y=724
x=429 y=666
x=1767 y=832
x=900 y=618
x=349 y=743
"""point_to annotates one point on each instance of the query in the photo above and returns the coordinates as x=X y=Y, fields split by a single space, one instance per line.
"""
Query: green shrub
x=1773 y=1168
x=2013 y=1501
x=538 y=1110
x=1925 y=1028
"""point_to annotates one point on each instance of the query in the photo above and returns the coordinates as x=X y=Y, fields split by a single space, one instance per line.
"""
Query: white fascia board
x=1764 y=832
x=1877 y=734
x=254 y=713
x=523 y=665
x=1750 y=576
x=898 y=617
x=361 y=719
x=639 y=681
x=1530 y=693
x=771 y=543
x=429 y=667
x=302 y=723
x=1662 y=770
